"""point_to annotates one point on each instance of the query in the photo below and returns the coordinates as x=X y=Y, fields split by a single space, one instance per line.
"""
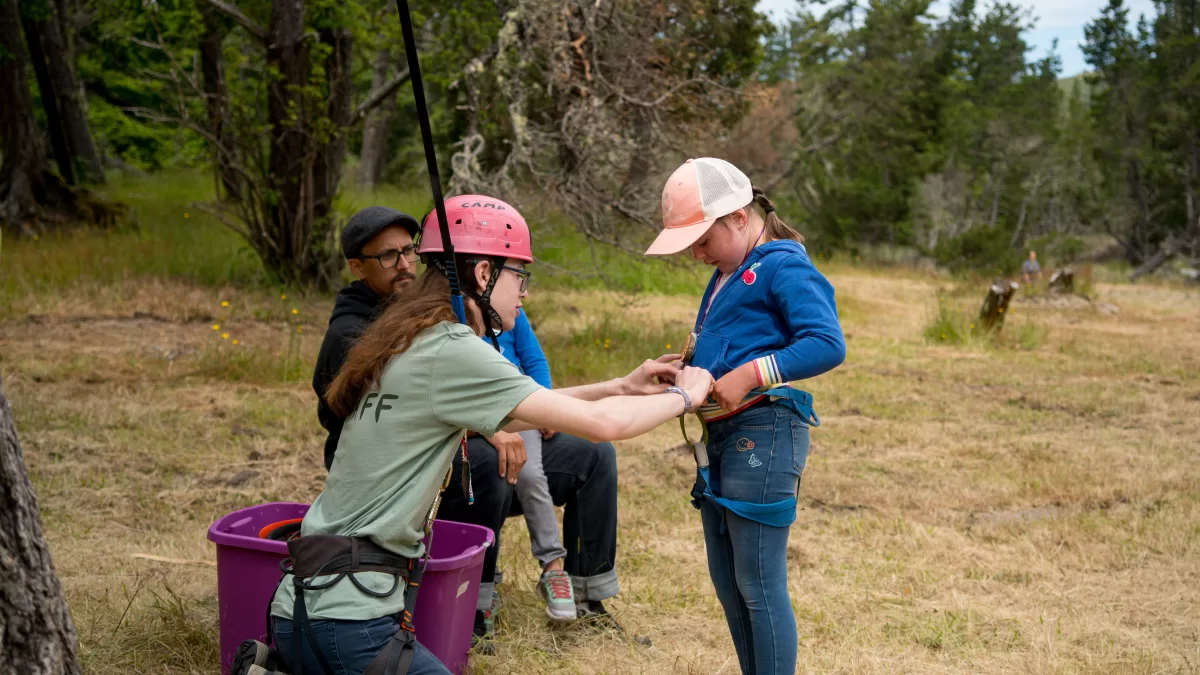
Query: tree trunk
x=337 y=75
x=1193 y=178
x=290 y=164
x=995 y=305
x=216 y=100
x=1062 y=281
x=377 y=126
x=1165 y=252
x=21 y=147
x=36 y=634
x=56 y=130
x=60 y=93
x=330 y=156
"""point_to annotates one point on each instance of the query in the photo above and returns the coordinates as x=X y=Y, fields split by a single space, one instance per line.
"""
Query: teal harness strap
x=775 y=514
x=798 y=400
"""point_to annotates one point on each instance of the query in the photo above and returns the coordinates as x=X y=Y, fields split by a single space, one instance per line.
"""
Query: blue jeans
x=349 y=646
x=757 y=456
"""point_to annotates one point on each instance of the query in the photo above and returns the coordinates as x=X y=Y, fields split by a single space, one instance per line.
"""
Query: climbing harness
x=316 y=556
x=781 y=513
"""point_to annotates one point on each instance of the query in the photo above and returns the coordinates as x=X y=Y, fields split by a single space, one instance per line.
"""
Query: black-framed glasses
x=390 y=258
x=524 y=274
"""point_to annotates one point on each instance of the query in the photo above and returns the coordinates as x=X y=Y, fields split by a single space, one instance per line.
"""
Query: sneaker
x=555 y=588
x=253 y=658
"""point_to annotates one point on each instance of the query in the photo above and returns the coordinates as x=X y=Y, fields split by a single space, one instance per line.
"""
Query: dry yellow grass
x=965 y=509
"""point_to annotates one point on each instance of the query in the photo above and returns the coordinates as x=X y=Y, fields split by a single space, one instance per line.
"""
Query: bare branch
x=379 y=95
x=241 y=19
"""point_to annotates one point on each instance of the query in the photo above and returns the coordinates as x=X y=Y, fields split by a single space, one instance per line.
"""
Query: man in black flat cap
x=378 y=245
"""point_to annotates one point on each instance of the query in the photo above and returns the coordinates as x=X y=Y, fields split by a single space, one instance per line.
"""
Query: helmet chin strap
x=484 y=302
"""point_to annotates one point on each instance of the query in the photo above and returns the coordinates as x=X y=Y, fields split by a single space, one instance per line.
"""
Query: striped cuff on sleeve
x=768 y=371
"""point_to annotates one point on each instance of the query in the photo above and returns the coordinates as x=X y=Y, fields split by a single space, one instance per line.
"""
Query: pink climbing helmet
x=479 y=225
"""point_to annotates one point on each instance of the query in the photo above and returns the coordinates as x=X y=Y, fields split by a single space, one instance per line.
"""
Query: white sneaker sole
x=563 y=618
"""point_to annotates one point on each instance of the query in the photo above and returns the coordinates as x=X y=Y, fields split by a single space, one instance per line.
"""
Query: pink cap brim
x=674 y=239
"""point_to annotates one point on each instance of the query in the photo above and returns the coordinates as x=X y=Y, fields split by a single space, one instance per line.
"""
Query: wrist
x=688 y=400
x=621 y=387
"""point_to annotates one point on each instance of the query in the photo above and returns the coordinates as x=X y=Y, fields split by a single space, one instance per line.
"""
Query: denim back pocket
x=800 y=443
x=377 y=632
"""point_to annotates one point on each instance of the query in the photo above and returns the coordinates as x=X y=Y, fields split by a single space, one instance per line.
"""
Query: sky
x=1062 y=19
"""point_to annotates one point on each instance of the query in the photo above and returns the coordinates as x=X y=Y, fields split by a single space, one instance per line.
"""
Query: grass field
x=1025 y=506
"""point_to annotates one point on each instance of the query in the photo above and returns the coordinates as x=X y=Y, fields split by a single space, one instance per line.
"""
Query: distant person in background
x=1030 y=269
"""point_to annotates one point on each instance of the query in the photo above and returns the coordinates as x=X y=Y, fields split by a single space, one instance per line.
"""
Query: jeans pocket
x=377 y=632
x=800 y=443
x=281 y=628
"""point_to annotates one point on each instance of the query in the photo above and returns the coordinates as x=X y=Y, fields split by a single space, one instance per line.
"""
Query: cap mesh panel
x=714 y=183
x=736 y=177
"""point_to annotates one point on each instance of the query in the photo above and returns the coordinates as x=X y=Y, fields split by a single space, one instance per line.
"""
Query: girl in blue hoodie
x=767 y=318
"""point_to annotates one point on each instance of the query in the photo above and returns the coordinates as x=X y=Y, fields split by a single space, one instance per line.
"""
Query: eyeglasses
x=389 y=259
x=524 y=274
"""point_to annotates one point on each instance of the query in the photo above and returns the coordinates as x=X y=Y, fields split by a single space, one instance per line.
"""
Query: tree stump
x=995 y=305
x=1063 y=281
x=36 y=633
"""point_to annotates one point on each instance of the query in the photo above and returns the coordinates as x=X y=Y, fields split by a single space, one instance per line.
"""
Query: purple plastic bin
x=248 y=571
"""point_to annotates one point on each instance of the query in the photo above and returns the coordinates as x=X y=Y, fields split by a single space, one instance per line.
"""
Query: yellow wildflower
x=236 y=342
x=224 y=336
x=668 y=345
x=216 y=326
x=283 y=297
x=295 y=311
x=299 y=330
x=224 y=303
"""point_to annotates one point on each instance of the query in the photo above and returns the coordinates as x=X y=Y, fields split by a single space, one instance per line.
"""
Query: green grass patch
x=951 y=325
x=574 y=262
x=609 y=346
x=170 y=238
x=229 y=359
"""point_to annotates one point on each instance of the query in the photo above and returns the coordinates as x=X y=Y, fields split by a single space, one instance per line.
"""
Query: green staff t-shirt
x=395 y=450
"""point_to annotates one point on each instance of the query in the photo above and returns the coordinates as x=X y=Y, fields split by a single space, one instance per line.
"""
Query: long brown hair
x=776 y=228
x=424 y=304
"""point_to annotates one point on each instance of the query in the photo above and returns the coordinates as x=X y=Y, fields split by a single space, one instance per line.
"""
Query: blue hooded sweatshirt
x=520 y=346
x=777 y=311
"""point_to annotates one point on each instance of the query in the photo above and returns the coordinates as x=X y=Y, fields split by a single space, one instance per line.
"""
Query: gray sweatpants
x=538 y=507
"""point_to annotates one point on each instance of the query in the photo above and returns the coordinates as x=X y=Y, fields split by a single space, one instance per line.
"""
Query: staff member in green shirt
x=411 y=387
